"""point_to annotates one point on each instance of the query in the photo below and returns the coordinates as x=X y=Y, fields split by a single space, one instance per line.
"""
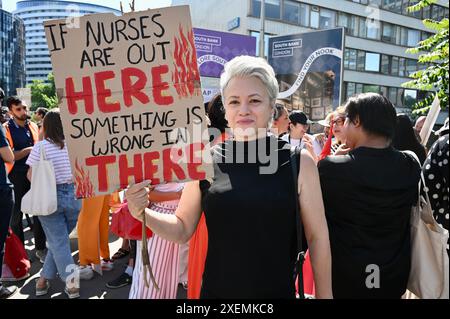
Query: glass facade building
x=34 y=13
x=12 y=52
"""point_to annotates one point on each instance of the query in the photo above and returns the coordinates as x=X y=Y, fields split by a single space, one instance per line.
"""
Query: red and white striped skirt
x=163 y=256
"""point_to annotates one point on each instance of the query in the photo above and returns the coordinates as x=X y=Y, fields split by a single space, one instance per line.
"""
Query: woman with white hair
x=249 y=206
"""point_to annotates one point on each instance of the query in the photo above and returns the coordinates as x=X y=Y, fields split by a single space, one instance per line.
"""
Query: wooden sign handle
x=145 y=257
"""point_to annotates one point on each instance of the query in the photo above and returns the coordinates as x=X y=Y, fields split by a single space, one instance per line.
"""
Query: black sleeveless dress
x=250 y=215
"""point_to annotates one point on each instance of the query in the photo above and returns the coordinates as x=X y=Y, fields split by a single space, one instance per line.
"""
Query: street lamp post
x=261 y=30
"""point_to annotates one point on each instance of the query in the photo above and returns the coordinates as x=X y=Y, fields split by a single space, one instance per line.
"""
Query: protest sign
x=430 y=121
x=130 y=99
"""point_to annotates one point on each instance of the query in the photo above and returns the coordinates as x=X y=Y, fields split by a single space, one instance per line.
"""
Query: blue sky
x=10 y=5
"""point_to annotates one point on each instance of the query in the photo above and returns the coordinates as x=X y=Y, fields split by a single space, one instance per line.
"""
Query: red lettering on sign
x=170 y=165
x=85 y=95
x=147 y=165
x=159 y=86
x=103 y=93
x=150 y=169
x=195 y=162
x=126 y=171
x=134 y=89
x=101 y=162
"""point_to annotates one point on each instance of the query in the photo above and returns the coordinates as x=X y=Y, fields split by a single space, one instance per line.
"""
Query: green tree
x=433 y=53
x=43 y=94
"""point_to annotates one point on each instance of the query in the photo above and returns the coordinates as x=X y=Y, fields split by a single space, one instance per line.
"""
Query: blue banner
x=309 y=70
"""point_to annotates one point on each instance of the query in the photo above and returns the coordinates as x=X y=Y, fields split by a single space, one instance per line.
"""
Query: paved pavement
x=91 y=289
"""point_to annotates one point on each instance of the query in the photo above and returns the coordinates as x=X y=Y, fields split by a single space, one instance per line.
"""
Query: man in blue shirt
x=22 y=135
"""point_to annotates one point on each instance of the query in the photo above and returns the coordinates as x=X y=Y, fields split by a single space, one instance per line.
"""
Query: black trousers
x=21 y=186
x=6 y=209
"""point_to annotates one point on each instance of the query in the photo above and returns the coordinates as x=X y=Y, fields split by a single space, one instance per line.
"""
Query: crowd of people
x=234 y=236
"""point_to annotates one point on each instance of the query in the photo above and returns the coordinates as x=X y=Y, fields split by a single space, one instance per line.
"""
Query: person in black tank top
x=252 y=234
x=250 y=203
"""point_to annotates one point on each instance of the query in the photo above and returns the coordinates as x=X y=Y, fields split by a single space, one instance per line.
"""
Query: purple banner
x=214 y=49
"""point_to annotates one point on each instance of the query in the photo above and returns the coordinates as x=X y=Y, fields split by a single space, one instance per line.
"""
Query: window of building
x=413 y=37
x=304 y=14
x=415 y=14
x=437 y=12
x=350 y=22
x=392 y=95
x=401 y=66
x=394 y=66
x=426 y=12
x=362 y=27
x=315 y=17
x=384 y=91
x=271 y=8
x=352 y=59
x=371 y=88
x=375 y=3
x=359 y=88
x=291 y=11
x=372 y=63
x=403 y=36
x=400 y=92
x=405 y=5
x=350 y=89
x=390 y=33
x=393 y=5
x=385 y=64
x=360 y=60
x=373 y=27
x=411 y=66
x=327 y=19
x=409 y=98
x=346 y=58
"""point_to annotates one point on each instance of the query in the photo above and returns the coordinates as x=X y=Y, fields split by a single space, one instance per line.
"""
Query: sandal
x=120 y=254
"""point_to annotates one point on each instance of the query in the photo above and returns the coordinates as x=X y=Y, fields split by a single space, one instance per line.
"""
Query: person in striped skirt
x=163 y=254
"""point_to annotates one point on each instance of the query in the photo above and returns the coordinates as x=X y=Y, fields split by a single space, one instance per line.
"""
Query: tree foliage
x=43 y=94
x=433 y=53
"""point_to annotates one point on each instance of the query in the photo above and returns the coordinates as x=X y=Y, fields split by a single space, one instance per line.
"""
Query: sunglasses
x=339 y=121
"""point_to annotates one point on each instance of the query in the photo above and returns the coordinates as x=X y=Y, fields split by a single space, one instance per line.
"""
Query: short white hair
x=245 y=66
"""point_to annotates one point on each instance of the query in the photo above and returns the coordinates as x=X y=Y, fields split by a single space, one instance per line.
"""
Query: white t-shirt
x=57 y=156
x=296 y=142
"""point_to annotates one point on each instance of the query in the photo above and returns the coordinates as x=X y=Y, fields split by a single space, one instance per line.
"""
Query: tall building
x=12 y=52
x=378 y=32
x=34 y=13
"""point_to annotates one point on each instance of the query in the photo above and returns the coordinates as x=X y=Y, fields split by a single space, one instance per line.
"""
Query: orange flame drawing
x=186 y=77
x=83 y=184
